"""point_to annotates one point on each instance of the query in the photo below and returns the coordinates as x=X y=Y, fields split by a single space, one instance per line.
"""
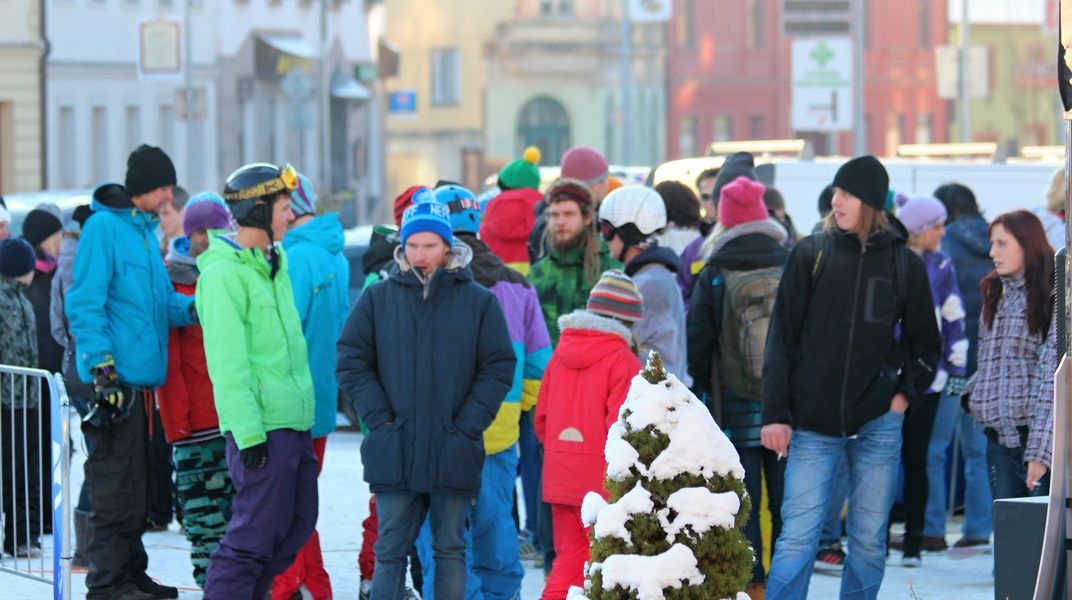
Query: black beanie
x=17 y=258
x=865 y=178
x=147 y=169
x=39 y=226
x=741 y=164
x=82 y=212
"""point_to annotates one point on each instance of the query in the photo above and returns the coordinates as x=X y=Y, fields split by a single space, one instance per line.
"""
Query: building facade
x=104 y=99
x=288 y=93
x=1018 y=107
x=556 y=81
x=730 y=76
x=21 y=55
x=435 y=113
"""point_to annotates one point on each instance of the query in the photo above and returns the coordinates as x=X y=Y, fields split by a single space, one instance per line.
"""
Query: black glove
x=109 y=403
x=255 y=457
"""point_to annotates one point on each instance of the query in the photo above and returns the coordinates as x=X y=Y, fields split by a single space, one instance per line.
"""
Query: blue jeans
x=401 y=515
x=1008 y=472
x=832 y=519
x=874 y=455
x=757 y=462
x=491 y=551
x=978 y=502
x=530 y=472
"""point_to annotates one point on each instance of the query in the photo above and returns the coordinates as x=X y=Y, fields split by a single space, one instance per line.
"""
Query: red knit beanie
x=508 y=220
x=741 y=201
x=405 y=200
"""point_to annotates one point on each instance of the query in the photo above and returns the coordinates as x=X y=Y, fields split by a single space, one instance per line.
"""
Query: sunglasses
x=607 y=231
x=706 y=196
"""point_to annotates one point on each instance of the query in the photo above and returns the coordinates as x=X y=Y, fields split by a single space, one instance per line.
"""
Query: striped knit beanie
x=303 y=199
x=615 y=295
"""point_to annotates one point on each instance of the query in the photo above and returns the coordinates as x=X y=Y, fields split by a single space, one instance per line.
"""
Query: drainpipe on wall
x=42 y=73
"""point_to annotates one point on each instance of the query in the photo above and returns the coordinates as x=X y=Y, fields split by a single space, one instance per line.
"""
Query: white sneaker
x=911 y=561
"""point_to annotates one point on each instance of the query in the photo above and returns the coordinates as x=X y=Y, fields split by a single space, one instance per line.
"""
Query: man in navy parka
x=426 y=359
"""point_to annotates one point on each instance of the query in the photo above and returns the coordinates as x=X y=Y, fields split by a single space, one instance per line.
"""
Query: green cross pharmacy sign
x=822 y=84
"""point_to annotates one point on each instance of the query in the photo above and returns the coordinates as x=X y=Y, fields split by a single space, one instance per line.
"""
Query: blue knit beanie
x=427 y=216
x=17 y=257
x=303 y=199
x=463 y=206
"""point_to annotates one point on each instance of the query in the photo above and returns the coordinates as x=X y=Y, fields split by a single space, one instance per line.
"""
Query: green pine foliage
x=723 y=556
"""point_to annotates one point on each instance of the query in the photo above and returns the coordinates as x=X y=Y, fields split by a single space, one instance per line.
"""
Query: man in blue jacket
x=426 y=359
x=120 y=307
x=320 y=276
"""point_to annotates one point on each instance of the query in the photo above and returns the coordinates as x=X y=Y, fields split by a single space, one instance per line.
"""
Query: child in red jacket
x=187 y=409
x=583 y=388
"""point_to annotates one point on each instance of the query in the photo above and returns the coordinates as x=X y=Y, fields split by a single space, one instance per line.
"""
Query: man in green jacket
x=576 y=257
x=259 y=367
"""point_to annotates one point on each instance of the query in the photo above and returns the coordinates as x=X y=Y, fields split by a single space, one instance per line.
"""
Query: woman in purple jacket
x=924 y=218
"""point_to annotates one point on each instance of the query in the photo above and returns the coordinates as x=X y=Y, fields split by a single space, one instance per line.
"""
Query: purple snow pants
x=273 y=515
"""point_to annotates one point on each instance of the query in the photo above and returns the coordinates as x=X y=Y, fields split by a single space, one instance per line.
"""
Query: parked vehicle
x=18 y=205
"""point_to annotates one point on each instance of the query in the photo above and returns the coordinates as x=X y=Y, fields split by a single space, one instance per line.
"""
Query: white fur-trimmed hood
x=584 y=320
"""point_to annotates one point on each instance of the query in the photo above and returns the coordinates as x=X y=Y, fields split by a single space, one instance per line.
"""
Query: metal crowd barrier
x=20 y=452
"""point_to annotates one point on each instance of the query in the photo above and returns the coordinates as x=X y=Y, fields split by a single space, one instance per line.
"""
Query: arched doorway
x=543 y=123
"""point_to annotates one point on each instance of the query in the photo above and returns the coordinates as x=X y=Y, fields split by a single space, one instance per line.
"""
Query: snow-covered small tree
x=672 y=528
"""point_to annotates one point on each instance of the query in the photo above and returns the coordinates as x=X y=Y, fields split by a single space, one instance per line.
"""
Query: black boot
x=82 y=533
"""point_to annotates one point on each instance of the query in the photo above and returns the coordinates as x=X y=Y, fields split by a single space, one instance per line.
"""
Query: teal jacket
x=253 y=343
x=121 y=302
x=320 y=276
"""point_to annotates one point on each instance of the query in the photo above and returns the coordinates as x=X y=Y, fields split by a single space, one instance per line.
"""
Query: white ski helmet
x=635 y=212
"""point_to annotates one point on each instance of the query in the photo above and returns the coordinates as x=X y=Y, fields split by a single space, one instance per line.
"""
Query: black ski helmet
x=256 y=184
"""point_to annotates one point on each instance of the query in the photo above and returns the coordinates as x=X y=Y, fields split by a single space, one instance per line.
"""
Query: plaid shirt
x=1013 y=386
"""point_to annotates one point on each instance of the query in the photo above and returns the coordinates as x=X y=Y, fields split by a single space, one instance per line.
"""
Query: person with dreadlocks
x=259 y=367
x=576 y=256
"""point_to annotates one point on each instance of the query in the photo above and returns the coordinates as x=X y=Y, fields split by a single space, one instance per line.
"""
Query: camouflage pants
x=205 y=493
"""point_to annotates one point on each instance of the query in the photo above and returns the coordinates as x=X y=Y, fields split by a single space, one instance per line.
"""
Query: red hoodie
x=187 y=407
x=583 y=388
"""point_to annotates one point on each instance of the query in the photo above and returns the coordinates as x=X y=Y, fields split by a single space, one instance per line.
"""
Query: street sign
x=649 y=11
x=822 y=84
x=297 y=85
x=947 y=71
x=402 y=103
x=806 y=18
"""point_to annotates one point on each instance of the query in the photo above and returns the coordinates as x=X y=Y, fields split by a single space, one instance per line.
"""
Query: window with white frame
x=446 y=77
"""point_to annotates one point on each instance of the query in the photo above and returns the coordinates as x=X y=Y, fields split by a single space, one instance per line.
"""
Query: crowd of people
x=208 y=341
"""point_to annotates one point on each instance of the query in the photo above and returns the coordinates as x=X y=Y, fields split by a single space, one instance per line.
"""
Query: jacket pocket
x=381 y=454
x=461 y=460
x=880 y=302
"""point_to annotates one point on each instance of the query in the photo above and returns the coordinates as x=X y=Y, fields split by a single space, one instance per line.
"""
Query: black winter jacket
x=746 y=248
x=426 y=366
x=833 y=360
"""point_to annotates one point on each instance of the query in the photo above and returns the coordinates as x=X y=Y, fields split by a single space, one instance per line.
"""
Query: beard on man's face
x=567 y=244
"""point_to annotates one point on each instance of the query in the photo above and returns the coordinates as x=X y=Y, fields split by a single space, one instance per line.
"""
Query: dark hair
x=706 y=173
x=179 y=197
x=826 y=199
x=773 y=199
x=682 y=204
x=959 y=201
x=1038 y=271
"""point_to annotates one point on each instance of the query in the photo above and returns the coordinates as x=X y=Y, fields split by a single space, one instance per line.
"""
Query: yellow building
x=435 y=105
x=1021 y=106
x=20 y=97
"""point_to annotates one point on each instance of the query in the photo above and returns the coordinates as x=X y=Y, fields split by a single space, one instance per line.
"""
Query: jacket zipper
x=852 y=335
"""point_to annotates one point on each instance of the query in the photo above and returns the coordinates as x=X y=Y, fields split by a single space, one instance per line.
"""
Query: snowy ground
x=344 y=503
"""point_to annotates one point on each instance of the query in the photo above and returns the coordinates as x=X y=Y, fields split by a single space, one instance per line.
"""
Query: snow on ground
x=344 y=504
